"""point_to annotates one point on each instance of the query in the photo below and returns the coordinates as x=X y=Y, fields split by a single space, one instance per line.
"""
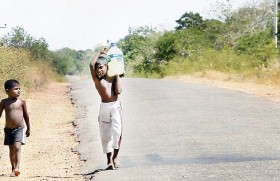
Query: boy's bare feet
x=117 y=163
x=110 y=167
x=17 y=173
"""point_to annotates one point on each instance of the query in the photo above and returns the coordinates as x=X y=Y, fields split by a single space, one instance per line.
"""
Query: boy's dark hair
x=10 y=83
x=101 y=60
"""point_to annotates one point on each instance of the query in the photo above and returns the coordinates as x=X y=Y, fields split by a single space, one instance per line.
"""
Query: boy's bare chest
x=106 y=85
x=12 y=106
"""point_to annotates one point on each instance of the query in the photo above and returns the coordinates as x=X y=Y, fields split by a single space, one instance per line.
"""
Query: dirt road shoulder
x=48 y=153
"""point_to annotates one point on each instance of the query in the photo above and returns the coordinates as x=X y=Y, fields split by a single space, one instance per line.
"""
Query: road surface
x=182 y=131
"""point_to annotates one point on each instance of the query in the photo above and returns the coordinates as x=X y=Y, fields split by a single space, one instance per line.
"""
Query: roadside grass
x=224 y=65
x=227 y=66
x=18 y=64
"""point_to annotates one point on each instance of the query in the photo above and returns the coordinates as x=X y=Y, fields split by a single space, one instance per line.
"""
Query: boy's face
x=14 y=92
x=101 y=70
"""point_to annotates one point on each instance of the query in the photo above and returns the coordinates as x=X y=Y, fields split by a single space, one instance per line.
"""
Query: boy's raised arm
x=92 y=63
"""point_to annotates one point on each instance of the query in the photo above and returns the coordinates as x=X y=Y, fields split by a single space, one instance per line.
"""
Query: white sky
x=82 y=24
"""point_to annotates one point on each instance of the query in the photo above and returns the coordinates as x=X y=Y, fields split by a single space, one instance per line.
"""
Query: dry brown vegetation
x=18 y=64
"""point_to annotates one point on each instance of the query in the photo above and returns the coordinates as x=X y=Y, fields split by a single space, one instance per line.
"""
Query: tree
x=253 y=17
x=139 y=48
x=63 y=64
x=80 y=55
x=166 y=46
x=19 y=38
x=39 y=49
x=213 y=30
x=259 y=45
x=67 y=61
x=189 y=20
x=139 y=44
x=182 y=43
x=250 y=20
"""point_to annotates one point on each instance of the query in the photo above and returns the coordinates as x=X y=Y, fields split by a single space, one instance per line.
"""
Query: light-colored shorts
x=110 y=125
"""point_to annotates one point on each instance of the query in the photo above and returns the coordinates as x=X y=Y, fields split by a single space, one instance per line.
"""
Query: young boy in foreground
x=110 y=120
x=15 y=113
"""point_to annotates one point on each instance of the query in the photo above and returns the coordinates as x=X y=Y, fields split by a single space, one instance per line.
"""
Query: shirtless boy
x=110 y=120
x=15 y=113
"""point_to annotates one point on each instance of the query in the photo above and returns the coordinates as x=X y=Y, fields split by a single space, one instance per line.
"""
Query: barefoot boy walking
x=110 y=120
x=15 y=113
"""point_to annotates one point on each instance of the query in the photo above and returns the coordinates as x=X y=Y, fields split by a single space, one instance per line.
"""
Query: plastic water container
x=115 y=61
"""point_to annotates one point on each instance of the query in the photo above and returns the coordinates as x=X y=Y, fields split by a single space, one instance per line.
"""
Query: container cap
x=113 y=44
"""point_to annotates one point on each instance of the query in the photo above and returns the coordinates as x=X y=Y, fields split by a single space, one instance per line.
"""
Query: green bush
x=258 y=45
x=67 y=61
x=209 y=59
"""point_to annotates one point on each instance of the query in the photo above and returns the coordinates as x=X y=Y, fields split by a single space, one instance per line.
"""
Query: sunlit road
x=182 y=131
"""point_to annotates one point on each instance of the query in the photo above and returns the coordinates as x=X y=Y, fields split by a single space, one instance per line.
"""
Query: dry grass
x=17 y=64
x=227 y=67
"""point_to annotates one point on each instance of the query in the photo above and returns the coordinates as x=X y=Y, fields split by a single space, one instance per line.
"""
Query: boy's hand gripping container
x=115 y=61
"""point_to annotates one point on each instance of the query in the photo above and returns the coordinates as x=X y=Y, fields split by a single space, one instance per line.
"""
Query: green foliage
x=138 y=44
x=259 y=45
x=166 y=46
x=63 y=64
x=190 y=20
x=19 y=38
x=138 y=48
x=240 y=42
x=183 y=43
x=67 y=61
x=149 y=69
x=214 y=29
x=226 y=61
x=250 y=19
x=84 y=63
x=39 y=49
x=64 y=61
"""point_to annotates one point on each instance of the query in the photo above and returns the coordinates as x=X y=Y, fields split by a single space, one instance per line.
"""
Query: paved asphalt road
x=182 y=131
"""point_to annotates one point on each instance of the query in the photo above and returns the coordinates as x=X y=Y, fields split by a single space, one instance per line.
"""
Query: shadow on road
x=91 y=174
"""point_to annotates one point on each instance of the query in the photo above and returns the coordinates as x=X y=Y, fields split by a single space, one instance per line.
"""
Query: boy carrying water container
x=110 y=119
